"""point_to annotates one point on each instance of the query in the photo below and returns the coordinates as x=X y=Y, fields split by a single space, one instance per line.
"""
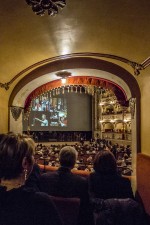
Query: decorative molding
x=5 y=85
x=132 y=103
x=137 y=67
x=91 y=85
x=16 y=112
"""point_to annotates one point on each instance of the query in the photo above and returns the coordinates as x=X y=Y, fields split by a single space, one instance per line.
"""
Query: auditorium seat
x=68 y=209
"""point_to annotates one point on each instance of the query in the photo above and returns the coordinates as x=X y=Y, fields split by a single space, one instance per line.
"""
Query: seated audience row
x=49 y=155
x=25 y=193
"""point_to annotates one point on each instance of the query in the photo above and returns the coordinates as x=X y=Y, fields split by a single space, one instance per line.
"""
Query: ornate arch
x=81 y=81
x=88 y=63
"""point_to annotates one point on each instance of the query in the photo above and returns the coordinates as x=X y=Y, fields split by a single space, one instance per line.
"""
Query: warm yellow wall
x=4 y=95
x=144 y=83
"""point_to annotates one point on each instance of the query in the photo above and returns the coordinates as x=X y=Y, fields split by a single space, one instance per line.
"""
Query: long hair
x=105 y=162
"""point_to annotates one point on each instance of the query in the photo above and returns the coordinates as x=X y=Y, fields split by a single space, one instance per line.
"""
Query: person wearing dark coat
x=117 y=211
x=19 y=204
x=111 y=194
x=64 y=183
x=105 y=182
x=24 y=206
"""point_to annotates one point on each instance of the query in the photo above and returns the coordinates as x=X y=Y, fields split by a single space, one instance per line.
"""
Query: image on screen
x=63 y=112
x=48 y=112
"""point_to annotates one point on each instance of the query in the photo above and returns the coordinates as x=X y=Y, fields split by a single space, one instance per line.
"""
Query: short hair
x=13 y=149
x=105 y=162
x=68 y=156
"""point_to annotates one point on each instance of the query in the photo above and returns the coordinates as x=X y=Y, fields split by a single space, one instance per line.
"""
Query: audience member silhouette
x=105 y=182
x=111 y=194
x=64 y=183
x=20 y=205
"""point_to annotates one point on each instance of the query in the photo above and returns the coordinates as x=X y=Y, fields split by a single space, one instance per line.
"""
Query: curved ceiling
x=112 y=27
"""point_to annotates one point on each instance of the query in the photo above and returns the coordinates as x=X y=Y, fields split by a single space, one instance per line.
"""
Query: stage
x=61 y=143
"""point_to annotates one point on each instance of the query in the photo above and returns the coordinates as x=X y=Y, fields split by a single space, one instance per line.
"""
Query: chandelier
x=40 y=7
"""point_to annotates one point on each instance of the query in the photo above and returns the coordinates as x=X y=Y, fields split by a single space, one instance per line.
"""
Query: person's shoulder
x=33 y=196
x=42 y=199
x=124 y=180
x=49 y=174
x=79 y=178
x=42 y=196
x=94 y=175
x=48 y=177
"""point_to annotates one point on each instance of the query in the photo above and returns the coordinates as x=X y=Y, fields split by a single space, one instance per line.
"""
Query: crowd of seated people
x=104 y=189
x=86 y=153
x=105 y=196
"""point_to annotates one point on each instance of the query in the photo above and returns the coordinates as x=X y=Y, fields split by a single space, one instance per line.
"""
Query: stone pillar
x=132 y=104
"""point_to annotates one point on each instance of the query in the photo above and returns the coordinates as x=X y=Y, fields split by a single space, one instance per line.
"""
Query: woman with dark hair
x=105 y=182
x=111 y=194
x=20 y=205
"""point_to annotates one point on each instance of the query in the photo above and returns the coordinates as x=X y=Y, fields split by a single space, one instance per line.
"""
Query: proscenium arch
x=87 y=63
x=78 y=81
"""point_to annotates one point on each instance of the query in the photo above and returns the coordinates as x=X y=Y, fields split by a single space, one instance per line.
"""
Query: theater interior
x=86 y=56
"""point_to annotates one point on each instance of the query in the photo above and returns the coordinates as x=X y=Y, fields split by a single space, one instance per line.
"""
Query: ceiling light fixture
x=64 y=75
x=40 y=7
x=63 y=80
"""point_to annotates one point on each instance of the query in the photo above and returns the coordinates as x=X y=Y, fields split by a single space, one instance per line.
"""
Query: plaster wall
x=144 y=84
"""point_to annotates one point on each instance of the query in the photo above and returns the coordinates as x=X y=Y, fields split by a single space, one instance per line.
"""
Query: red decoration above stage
x=85 y=82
